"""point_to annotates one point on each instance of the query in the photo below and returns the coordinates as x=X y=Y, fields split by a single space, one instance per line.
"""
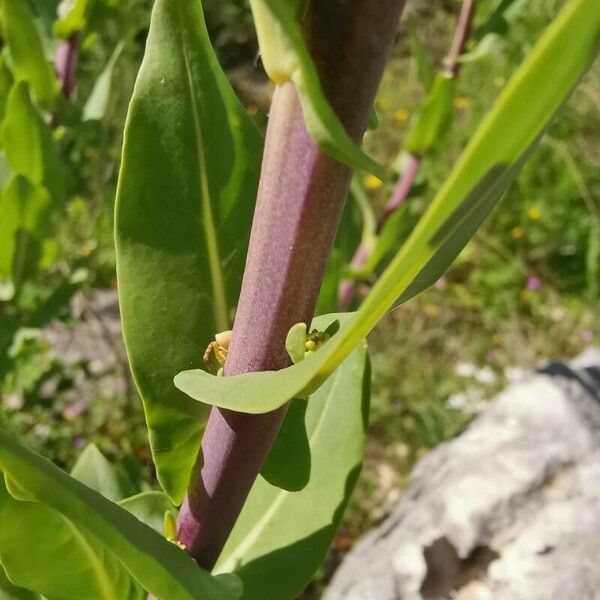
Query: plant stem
x=65 y=63
x=461 y=36
x=347 y=288
x=300 y=200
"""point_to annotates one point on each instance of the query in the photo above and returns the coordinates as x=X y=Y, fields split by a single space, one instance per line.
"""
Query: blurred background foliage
x=525 y=289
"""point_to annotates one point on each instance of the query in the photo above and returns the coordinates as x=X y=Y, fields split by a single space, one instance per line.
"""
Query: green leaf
x=433 y=118
x=288 y=463
x=93 y=470
x=27 y=52
x=286 y=58
x=185 y=200
x=97 y=103
x=8 y=591
x=28 y=143
x=149 y=508
x=423 y=62
x=157 y=565
x=24 y=223
x=281 y=537
x=37 y=561
x=6 y=83
x=73 y=20
x=487 y=167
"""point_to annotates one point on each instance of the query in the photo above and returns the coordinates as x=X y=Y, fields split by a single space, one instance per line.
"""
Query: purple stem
x=347 y=288
x=402 y=188
x=300 y=201
x=65 y=63
x=461 y=36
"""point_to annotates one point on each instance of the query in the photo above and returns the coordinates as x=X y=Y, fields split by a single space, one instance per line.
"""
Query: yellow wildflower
x=518 y=232
x=401 y=115
x=372 y=183
x=534 y=213
x=462 y=102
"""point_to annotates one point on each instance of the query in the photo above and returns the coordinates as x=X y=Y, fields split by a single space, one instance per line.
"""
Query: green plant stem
x=300 y=200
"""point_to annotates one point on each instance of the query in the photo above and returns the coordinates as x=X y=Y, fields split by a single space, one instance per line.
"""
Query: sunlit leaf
x=185 y=200
x=24 y=223
x=28 y=143
x=93 y=470
x=433 y=118
x=27 y=51
x=120 y=548
x=73 y=20
x=97 y=103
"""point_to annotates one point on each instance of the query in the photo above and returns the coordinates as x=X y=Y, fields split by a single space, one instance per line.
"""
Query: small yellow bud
x=401 y=115
x=372 y=183
x=310 y=346
x=462 y=102
x=534 y=213
x=518 y=232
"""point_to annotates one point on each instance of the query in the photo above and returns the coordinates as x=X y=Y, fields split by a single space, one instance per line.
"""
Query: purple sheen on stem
x=461 y=36
x=347 y=287
x=402 y=189
x=300 y=200
x=65 y=63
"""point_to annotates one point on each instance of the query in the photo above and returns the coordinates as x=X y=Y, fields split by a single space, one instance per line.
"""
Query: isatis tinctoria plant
x=223 y=240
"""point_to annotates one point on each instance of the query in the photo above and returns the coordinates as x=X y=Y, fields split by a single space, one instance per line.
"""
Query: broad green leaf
x=97 y=103
x=93 y=470
x=8 y=591
x=27 y=51
x=433 y=118
x=24 y=223
x=488 y=165
x=157 y=565
x=286 y=58
x=185 y=200
x=28 y=143
x=149 y=508
x=73 y=20
x=37 y=560
x=281 y=537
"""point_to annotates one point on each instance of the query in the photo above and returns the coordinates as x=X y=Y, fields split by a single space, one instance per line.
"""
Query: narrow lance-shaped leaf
x=185 y=200
x=27 y=51
x=485 y=170
x=97 y=103
x=24 y=223
x=28 y=143
x=281 y=537
x=157 y=565
x=73 y=19
x=286 y=58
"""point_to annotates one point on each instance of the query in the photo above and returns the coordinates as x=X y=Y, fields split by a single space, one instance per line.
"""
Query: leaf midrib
x=97 y=568
x=219 y=307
